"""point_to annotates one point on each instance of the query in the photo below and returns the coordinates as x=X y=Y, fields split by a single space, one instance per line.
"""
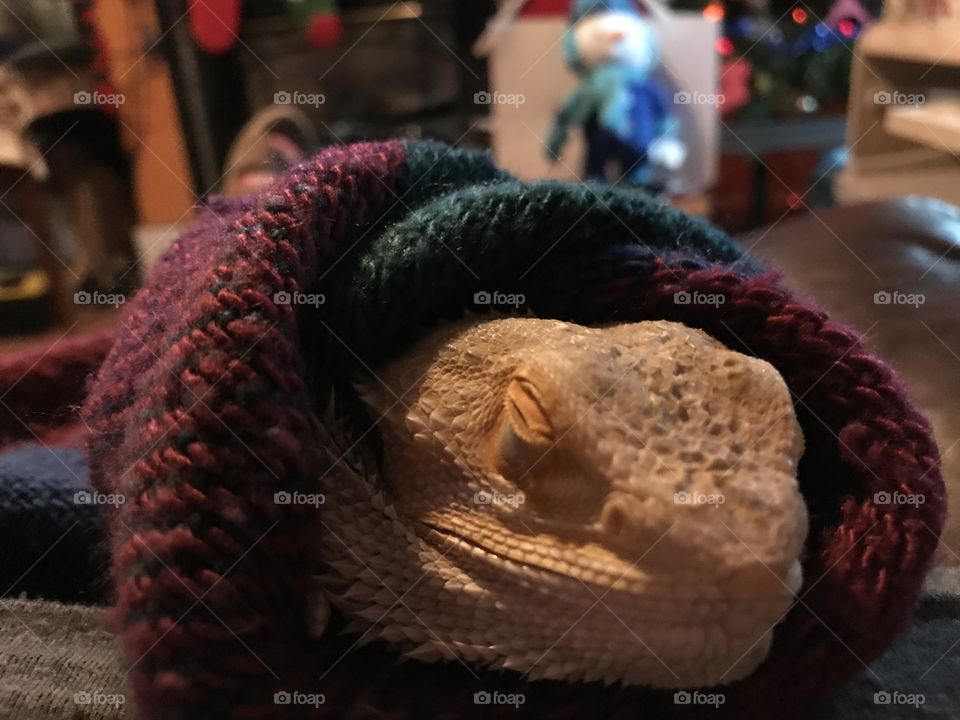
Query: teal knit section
x=434 y=169
x=496 y=237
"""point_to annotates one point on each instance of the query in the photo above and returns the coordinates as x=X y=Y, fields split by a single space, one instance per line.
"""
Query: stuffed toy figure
x=625 y=113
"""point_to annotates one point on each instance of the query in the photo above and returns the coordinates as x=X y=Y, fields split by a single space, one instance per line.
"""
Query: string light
x=799 y=15
x=714 y=12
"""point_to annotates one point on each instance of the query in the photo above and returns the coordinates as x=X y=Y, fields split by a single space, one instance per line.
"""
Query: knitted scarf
x=203 y=409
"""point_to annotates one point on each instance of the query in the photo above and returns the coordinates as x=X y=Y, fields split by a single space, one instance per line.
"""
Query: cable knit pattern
x=203 y=410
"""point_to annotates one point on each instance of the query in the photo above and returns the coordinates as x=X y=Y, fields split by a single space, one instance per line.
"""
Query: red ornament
x=735 y=85
x=215 y=24
x=325 y=30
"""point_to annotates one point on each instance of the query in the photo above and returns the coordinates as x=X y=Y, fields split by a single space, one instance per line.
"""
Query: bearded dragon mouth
x=442 y=538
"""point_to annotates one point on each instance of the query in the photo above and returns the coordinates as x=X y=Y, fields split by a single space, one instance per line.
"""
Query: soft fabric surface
x=917 y=678
x=203 y=410
x=58 y=663
x=51 y=653
x=52 y=534
x=42 y=388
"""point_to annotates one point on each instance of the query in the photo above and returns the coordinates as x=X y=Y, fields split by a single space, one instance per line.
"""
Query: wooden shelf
x=935 y=124
x=922 y=41
x=854 y=187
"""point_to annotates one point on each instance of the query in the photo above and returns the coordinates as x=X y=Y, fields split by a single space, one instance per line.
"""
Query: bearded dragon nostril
x=614 y=520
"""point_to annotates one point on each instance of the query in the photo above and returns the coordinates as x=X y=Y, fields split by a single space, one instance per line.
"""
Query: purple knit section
x=198 y=416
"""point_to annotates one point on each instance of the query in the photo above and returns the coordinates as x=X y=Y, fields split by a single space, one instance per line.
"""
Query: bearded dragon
x=617 y=504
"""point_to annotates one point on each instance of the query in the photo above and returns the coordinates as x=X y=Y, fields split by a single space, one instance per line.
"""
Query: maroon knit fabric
x=42 y=388
x=201 y=413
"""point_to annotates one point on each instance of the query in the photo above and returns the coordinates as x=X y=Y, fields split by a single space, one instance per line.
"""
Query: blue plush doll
x=625 y=115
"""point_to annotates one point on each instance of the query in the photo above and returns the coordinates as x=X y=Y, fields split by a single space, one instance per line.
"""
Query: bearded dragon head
x=615 y=503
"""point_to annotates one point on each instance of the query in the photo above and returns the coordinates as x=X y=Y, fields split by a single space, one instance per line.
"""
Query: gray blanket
x=59 y=664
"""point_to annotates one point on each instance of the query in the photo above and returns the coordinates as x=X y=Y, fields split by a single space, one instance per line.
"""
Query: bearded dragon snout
x=659 y=539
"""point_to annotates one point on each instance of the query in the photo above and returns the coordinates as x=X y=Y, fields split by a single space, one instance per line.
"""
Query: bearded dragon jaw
x=616 y=504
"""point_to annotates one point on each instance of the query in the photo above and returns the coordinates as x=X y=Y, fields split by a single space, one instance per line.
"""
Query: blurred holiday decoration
x=626 y=98
x=214 y=24
x=798 y=54
x=625 y=114
x=321 y=22
x=903 y=128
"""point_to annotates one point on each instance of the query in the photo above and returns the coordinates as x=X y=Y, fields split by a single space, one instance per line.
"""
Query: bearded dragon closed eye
x=616 y=504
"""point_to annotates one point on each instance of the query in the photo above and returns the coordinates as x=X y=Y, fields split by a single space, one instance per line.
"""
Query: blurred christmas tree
x=782 y=58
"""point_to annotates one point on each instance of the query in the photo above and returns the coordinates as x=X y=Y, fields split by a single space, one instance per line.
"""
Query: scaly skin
x=528 y=515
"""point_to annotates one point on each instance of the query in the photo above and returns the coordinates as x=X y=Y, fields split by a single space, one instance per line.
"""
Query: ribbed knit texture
x=203 y=410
